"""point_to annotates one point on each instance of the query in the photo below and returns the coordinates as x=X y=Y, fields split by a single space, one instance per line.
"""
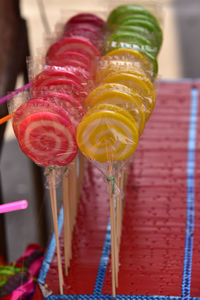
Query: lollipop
x=64 y=85
x=87 y=26
x=139 y=84
x=79 y=45
x=54 y=72
x=34 y=106
x=153 y=31
x=86 y=18
x=108 y=65
x=107 y=135
x=118 y=94
x=141 y=31
x=149 y=65
x=47 y=137
x=68 y=103
x=87 y=31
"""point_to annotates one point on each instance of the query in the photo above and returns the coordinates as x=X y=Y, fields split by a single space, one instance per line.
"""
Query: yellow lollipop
x=107 y=135
x=108 y=65
x=113 y=108
x=139 y=84
x=121 y=95
x=138 y=58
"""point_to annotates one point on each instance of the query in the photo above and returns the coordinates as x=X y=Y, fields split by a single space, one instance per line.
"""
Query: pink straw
x=14 y=93
x=17 y=205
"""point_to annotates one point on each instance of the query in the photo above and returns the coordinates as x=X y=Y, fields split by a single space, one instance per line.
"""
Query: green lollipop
x=154 y=30
x=125 y=10
x=131 y=37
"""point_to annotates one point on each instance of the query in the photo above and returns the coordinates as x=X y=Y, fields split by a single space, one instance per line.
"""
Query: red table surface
x=154 y=223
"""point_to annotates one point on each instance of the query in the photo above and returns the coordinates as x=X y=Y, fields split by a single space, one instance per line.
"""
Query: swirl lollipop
x=107 y=135
x=138 y=83
x=47 y=139
x=118 y=94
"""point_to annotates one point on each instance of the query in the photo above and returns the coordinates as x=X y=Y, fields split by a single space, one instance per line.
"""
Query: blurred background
x=179 y=58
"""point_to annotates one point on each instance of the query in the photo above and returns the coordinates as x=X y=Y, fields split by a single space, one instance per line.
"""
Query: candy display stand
x=159 y=251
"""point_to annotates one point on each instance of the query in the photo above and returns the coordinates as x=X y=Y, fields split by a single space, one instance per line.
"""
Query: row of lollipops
x=116 y=91
x=45 y=126
x=122 y=102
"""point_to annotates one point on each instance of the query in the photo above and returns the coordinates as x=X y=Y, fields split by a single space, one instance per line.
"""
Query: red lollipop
x=77 y=74
x=48 y=139
x=86 y=18
x=34 y=106
x=68 y=103
x=54 y=72
x=62 y=85
x=73 y=55
x=80 y=45
x=87 y=31
x=63 y=60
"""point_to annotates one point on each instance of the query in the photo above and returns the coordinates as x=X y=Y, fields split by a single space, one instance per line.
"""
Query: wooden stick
x=118 y=221
x=66 y=220
x=72 y=198
x=52 y=189
x=75 y=189
x=81 y=173
x=70 y=195
x=113 y=236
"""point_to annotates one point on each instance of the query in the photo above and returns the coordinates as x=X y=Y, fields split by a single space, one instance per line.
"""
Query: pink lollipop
x=48 y=139
x=34 y=106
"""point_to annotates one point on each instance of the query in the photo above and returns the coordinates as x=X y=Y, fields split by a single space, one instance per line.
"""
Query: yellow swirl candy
x=131 y=55
x=107 y=65
x=113 y=108
x=139 y=85
x=107 y=135
x=118 y=94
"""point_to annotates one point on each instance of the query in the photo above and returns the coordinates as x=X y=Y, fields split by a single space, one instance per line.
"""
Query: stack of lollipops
x=45 y=126
x=121 y=104
x=98 y=104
